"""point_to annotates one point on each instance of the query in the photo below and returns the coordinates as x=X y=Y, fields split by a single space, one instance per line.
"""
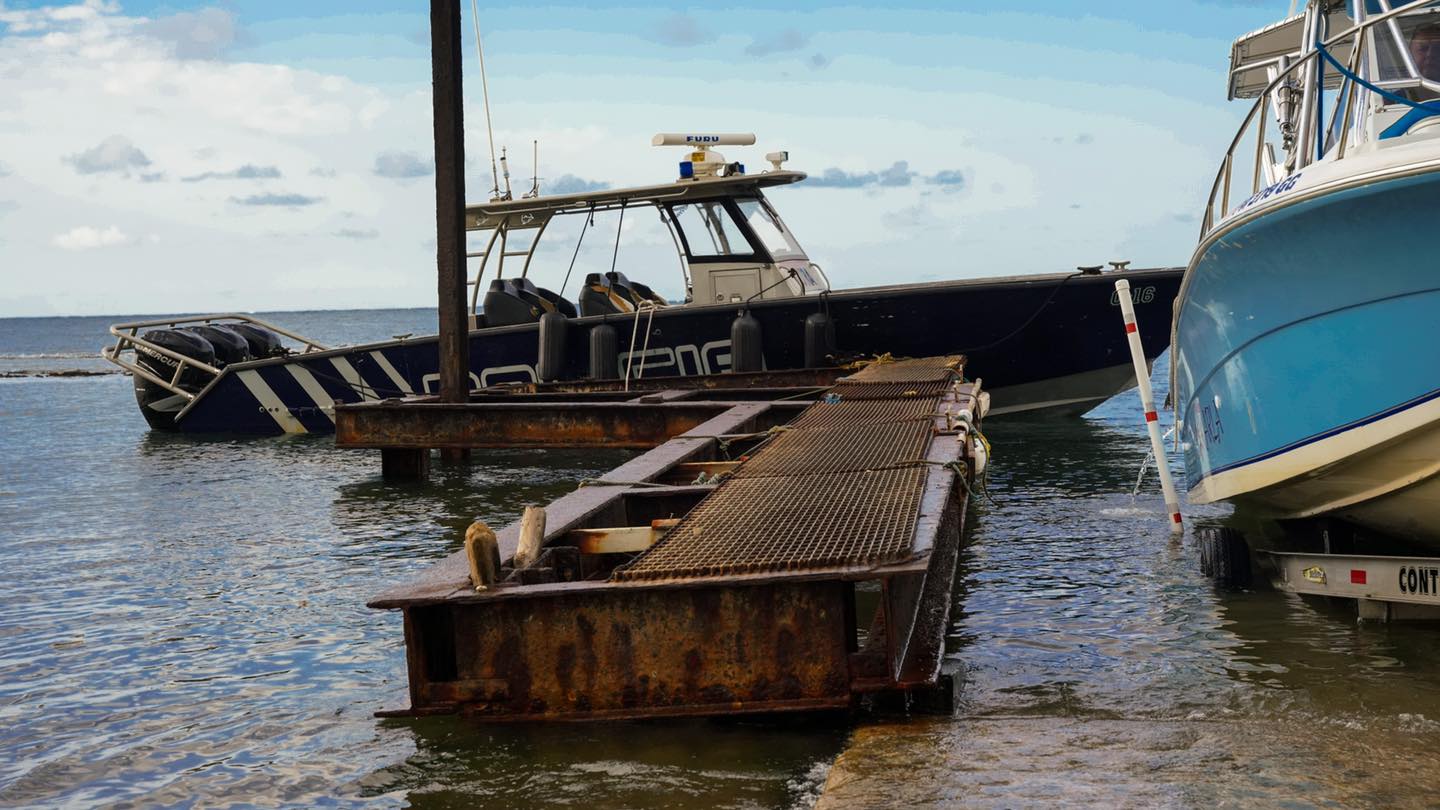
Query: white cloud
x=402 y=165
x=114 y=154
x=681 y=31
x=978 y=171
x=85 y=237
x=205 y=34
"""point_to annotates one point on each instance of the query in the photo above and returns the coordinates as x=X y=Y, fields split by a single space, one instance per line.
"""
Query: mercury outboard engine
x=263 y=342
x=230 y=346
x=158 y=404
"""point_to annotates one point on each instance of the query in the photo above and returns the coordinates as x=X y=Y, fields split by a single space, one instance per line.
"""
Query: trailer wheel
x=1224 y=556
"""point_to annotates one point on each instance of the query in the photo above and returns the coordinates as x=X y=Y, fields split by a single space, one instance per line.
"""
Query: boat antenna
x=535 y=176
x=505 y=173
x=485 y=89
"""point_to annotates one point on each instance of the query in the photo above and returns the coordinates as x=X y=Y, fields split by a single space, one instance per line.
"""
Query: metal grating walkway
x=847 y=413
x=848 y=389
x=925 y=369
x=840 y=488
x=757 y=525
x=845 y=449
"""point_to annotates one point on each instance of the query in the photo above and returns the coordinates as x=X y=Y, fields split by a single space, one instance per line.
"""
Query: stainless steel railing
x=127 y=339
x=1307 y=133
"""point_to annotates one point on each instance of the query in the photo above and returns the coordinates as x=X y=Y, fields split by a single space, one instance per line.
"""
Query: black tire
x=1224 y=557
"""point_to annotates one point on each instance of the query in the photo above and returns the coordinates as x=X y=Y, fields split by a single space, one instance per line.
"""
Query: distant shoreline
x=162 y=315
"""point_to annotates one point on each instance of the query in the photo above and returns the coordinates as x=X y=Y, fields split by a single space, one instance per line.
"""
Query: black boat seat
x=546 y=300
x=505 y=307
x=614 y=294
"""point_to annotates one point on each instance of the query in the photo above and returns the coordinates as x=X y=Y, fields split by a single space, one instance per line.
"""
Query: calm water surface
x=182 y=623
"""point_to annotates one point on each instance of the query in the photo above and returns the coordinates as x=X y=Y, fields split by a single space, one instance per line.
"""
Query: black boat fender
x=819 y=340
x=746 y=346
x=552 y=347
x=604 y=352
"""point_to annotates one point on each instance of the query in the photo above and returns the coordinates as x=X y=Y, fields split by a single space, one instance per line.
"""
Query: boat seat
x=546 y=300
x=505 y=306
x=614 y=294
x=648 y=294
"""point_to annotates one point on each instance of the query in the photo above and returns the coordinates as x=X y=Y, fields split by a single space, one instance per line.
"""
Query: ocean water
x=182 y=623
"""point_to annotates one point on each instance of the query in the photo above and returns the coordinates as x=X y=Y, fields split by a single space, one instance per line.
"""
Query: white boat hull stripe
x=265 y=395
x=312 y=386
x=352 y=376
x=384 y=363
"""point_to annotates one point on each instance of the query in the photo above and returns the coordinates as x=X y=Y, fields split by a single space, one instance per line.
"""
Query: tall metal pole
x=454 y=345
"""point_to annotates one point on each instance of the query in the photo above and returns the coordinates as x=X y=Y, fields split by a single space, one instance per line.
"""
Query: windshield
x=710 y=231
x=1416 y=54
x=771 y=231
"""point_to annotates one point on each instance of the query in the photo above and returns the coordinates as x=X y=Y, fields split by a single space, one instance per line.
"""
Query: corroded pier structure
x=766 y=556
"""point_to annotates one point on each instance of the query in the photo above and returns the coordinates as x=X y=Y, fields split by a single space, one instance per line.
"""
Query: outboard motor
x=230 y=346
x=263 y=342
x=158 y=404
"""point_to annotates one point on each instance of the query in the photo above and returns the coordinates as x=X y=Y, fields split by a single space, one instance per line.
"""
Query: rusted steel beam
x=617 y=539
x=449 y=120
x=464 y=425
x=635 y=653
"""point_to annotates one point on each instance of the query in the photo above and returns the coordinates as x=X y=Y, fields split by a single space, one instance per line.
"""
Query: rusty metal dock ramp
x=811 y=566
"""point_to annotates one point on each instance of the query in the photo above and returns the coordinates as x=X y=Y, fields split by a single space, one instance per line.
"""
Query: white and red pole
x=1147 y=401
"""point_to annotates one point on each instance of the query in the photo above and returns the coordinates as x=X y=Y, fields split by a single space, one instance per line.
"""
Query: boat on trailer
x=1305 y=380
x=1041 y=342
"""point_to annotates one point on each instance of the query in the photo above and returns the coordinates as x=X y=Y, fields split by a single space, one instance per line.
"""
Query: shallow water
x=182 y=622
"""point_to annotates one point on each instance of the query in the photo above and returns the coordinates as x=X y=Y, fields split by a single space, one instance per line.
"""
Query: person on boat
x=1424 y=47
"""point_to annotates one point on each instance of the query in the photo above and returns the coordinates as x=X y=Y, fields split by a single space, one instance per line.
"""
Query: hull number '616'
x=1138 y=295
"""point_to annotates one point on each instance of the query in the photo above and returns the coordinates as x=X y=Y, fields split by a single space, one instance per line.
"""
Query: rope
x=360 y=389
x=792 y=274
x=634 y=332
x=589 y=223
x=616 y=256
x=1028 y=321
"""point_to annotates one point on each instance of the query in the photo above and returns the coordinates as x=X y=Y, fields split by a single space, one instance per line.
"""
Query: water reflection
x=1101 y=668
x=182 y=622
x=661 y=764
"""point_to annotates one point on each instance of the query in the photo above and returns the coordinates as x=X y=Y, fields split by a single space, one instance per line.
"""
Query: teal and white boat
x=1306 y=373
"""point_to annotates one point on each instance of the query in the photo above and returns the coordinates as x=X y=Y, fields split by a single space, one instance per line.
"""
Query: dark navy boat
x=1040 y=342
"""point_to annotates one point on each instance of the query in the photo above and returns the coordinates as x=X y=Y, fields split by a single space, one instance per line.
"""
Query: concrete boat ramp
x=788 y=544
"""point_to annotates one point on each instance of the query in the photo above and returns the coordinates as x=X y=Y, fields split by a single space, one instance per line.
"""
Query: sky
x=163 y=157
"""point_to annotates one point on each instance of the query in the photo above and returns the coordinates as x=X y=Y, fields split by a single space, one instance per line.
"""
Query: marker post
x=1147 y=401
